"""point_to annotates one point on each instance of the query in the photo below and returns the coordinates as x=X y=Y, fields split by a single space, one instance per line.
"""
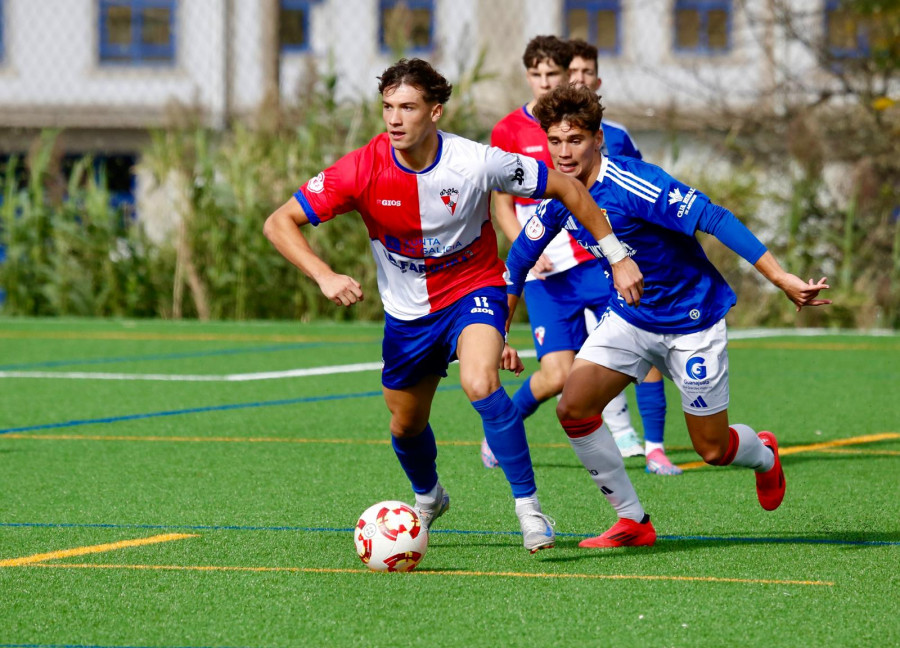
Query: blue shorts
x=556 y=306
x=424 y=346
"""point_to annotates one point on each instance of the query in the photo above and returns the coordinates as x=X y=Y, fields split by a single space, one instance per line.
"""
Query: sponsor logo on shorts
x=482 y=306
x=697 y=375
x=699 y=403
x=696 y=368
x=317 y=184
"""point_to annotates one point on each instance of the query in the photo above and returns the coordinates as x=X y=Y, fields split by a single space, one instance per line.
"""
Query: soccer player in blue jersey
x=567 y=281
x=651 y=396
x=680 y=324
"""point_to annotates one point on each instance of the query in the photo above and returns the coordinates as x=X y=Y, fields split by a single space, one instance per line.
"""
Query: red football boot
x=624 y=533
x=770 y=484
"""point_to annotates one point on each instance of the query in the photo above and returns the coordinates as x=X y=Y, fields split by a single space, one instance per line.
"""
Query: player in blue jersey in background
x=651 y=395
x=679 y=326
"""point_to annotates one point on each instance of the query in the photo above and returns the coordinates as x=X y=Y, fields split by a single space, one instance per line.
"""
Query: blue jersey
x=655 y=217
x=617 y=141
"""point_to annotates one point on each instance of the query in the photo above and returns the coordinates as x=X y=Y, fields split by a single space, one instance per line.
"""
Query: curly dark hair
x=583 y=49
x=580 y=107
x=420 y=75
x=541 y=48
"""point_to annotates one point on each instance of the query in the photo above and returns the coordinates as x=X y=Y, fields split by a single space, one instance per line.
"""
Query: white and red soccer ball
x=390 y=537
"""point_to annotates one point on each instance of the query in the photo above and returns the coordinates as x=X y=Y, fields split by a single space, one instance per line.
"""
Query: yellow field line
x=825 y=446
x=81 y=551
x=323 y=570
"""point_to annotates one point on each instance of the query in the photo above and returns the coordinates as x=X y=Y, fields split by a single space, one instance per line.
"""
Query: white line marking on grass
x=746 y=334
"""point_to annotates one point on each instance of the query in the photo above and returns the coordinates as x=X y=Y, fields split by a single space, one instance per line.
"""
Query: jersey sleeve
x=336 y=189
x=540 y=229
x=515 y=174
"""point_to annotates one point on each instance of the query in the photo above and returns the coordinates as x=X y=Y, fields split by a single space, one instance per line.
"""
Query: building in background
x=106 y=71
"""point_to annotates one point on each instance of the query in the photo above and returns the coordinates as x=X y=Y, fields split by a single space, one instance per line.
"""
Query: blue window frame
x=137 y=32
x=850 y=34
x=293 y=25
x=406 y=25
x=598 y=22
x=703 y=26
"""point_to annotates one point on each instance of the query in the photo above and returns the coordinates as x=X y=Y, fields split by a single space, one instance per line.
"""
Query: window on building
x=595 y=21
x=137 y=31
x=293 y=25
x=703 y=26
x=851 y=34
x=406 y=25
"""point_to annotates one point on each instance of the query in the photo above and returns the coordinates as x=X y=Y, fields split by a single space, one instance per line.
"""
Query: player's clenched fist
x=341 y=289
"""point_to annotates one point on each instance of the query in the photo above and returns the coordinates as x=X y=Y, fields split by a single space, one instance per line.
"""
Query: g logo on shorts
x=696 y=368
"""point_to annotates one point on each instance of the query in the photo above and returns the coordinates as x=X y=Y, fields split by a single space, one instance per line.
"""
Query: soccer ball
x=390 y=537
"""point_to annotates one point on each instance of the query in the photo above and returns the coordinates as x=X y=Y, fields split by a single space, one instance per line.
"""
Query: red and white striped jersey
x=430 y=231
x=521 y=133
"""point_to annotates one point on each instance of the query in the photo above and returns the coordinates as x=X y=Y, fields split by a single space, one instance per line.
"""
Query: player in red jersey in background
x=424 y=197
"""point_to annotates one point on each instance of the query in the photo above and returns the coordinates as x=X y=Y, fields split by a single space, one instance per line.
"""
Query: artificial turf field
x=212 y=512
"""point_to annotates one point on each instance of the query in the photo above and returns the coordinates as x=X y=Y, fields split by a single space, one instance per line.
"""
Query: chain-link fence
x=801 y=92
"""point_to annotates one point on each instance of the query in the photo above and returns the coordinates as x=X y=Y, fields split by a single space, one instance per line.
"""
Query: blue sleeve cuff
x=726 y=227
x=311 y=215
x=542 y=181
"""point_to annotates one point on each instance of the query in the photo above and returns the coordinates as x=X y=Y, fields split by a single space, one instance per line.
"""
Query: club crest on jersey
x=317 y=184
x=686 y=200
x=534 y=228
x=450 y=198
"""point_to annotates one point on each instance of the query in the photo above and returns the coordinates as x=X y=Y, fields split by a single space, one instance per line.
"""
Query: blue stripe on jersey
x=633 y=183
x=311 y=215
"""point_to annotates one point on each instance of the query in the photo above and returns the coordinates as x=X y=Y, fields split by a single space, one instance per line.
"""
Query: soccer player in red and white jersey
x=566 y=281
x=424 y=196
x=651 y=395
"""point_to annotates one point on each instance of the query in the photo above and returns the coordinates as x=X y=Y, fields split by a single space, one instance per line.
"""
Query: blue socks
x=651 y=402
x=417 y=455
x=524 y=401
x=505 y=433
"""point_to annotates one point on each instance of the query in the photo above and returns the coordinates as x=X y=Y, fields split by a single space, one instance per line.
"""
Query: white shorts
x=696 y=362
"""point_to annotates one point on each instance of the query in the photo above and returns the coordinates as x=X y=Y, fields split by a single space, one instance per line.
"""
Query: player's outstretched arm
x=797 y=290
x=627 y=277
x=282 y=228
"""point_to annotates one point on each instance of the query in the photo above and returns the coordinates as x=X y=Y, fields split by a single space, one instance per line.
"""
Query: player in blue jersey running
x=567 y=282
x=650 y=392
x=678 y=328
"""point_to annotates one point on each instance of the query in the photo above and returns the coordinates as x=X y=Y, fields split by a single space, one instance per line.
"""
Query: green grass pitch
x=217 y=513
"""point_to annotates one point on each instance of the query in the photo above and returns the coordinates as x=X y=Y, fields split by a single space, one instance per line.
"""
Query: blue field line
x=212 y=408
x=189 y=410
x=163 y=356
x=235 y=527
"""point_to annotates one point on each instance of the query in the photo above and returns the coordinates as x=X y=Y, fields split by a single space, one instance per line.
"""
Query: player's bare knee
x=566 y=411
x=711 y=454
x=479 y=387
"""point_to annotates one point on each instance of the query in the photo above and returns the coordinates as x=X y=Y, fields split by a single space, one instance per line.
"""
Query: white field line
x=365 y=366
